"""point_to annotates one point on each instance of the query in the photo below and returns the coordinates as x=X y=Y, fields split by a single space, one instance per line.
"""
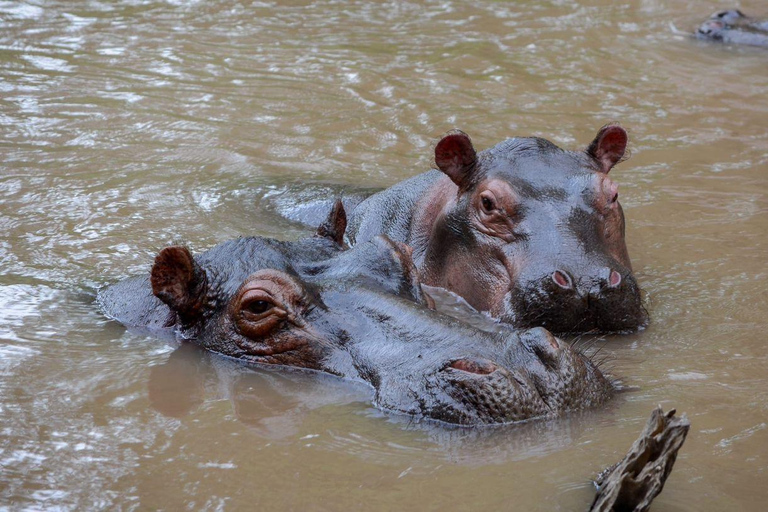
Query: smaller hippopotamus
x=734 y=27
x=359 y=314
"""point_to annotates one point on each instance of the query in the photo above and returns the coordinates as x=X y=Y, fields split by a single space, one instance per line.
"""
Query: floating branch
x=633 y=483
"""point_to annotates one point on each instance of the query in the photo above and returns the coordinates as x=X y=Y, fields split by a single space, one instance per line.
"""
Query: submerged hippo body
x=734 y=27
x=359 y=314
x=531 y=233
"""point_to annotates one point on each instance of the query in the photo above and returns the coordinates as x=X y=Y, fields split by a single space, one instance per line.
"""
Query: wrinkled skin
x=309 y=304
x=531 y=233
x=734 y=27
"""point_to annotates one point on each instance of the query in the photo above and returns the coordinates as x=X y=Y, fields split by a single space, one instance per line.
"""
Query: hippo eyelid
x=270 y=306
x=256 y=295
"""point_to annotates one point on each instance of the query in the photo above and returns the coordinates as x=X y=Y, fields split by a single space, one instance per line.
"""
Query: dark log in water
x=633 y=483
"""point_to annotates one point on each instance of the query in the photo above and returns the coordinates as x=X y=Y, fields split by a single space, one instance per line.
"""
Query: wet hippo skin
x=734 y=27
x=527 y=231
x=359 y=314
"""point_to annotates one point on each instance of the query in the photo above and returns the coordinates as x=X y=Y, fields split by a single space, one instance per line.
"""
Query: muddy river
x=126 y=126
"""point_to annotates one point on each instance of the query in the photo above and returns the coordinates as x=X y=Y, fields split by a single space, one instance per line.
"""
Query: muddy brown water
x=129 y=125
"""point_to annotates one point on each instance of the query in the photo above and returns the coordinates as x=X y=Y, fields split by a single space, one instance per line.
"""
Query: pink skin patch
x=615 y=279
x=610 y=190
x=562 y=280
x=476 y=366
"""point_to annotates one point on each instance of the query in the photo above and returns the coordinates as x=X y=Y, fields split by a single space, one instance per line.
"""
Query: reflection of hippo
x=307 y=304
x=272 y=403
x=527 y=231
x=734 y=27
x=275 y=404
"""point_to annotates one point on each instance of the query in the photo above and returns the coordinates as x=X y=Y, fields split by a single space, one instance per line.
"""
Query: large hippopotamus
x=526 y=231
x=734 y=27
x=360 y=314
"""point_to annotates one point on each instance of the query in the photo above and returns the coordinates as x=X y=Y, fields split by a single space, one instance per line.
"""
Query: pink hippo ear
x=179 y=282
x=609 y=146
x=335 y=225
x=456 y=157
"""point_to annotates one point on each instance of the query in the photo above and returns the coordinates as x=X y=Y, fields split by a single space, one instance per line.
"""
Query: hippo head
x=734 y=27
x=729 y=16
x=359 y=314
x=252 y=299
x=536 y=234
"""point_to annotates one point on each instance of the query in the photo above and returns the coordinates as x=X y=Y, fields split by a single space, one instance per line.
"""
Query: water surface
x=126 y=126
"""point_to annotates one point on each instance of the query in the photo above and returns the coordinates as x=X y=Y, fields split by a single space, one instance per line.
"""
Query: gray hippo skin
x=527 y=231
x=734 y=27
x=359 y=314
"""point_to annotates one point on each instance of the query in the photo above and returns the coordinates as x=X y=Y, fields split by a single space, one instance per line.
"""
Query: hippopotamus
x=734 y=27
x=526 y=231
x=362 y=314
x=359 y=314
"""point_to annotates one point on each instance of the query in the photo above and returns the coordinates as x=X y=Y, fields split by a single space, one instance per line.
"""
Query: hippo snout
x=711 y=29
x=480 y=391
x=564 y=378
x=537 y=374
x=605 y=298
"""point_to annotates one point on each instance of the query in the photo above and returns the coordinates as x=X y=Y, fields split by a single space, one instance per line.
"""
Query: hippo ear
x=179 y=282
x=456 y=157
x=609 y=146
x=335 y=225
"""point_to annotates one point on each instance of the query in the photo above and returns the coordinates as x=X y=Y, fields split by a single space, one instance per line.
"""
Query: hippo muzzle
x=605 y=299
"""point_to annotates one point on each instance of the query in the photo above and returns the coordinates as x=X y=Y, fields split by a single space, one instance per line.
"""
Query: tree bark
x=633 y=483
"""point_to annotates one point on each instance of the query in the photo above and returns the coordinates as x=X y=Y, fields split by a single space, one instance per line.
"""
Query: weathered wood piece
x=633 y=483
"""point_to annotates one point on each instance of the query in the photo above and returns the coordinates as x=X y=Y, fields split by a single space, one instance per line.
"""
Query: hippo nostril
x=562 y=280
x=478 y=366
x=552 y=340
x=539 y=337
x=614 y=279
x=543 y=344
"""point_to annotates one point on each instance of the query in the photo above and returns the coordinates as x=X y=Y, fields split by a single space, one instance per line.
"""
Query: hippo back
x=390 y=212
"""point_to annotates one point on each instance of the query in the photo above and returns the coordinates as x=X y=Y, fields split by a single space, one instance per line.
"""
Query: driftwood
x=633 y=483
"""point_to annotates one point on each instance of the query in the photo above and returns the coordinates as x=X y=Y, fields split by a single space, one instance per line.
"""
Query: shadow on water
x=273 y=403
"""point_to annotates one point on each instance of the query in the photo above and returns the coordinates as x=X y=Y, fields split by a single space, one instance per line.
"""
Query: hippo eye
x=487 y=204
x=258 y=307
x=615 y=197
x=256 y=304
x=258 y=315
